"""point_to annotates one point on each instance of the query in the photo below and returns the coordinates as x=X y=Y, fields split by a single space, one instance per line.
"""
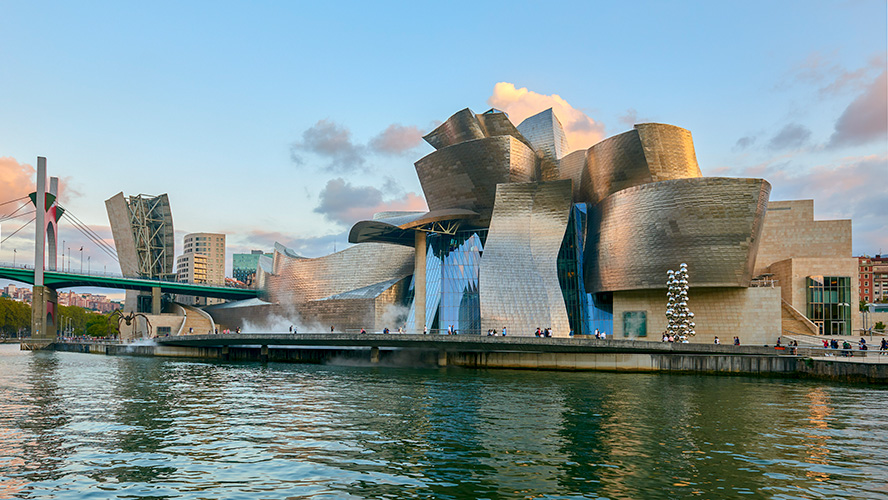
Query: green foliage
x=879 y=326
x=15 y=317
x=99 y=326
x=79 y=319
x=862 y=305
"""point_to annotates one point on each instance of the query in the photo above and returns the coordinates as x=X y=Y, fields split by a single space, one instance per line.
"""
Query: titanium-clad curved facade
x=350 y=289
x=465 y=175
x=546 y=135
x=522 y=233
x=651 y=152
x=301 y=280
x=518 y=284
x=462 y=126
x=711 y=223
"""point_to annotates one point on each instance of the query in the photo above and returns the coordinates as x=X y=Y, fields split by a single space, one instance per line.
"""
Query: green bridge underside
x=56 y=280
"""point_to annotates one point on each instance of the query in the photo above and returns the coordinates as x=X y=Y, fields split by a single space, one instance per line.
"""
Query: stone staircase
x=196 y=321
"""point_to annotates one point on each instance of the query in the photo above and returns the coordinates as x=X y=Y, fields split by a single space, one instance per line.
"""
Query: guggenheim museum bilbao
x=522 y=233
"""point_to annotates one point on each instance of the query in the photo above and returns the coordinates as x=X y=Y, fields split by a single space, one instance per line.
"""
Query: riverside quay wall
x=570 y=354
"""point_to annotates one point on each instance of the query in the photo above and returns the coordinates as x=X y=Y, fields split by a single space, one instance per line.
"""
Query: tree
x=862 y=306
x=15 y=317
x=79 y=319
x=99 y=326
x=879 y=326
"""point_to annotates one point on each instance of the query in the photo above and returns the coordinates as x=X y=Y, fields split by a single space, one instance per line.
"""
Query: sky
x=289 y=121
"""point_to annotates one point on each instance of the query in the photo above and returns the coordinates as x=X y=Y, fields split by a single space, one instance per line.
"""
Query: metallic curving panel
x=518 y=275
x=546 y=135
x=296 y=281
x=651 y=152
x=713 y=224
x=669 y=151
x=399 y=229
x=465 y=175
x=497 y=123
x=572 y=167
x=462 y=126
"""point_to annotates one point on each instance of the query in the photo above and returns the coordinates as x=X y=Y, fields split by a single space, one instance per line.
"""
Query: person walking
x=504 y=331
x=883 y=347
x=717 y=342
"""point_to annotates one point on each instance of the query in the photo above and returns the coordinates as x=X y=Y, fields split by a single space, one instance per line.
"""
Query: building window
x=829 y=303
x=635 y=324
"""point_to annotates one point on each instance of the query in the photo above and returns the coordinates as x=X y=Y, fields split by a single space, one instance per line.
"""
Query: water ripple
x=90 y=426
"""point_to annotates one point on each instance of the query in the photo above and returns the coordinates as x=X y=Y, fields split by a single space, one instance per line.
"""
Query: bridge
x=58 y=279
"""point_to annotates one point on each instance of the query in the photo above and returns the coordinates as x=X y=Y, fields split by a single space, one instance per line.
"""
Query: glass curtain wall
x=452 y=272
x=570 y=271
x=829 y=303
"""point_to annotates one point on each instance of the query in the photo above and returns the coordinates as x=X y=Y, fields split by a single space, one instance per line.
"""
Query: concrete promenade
x=470 y=351
x=480 y=343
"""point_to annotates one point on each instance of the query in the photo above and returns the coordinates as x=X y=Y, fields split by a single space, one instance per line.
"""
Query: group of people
x=492 y=332
x=668 y=337
x=600 y=334
x=543 y=333
x=861 y=345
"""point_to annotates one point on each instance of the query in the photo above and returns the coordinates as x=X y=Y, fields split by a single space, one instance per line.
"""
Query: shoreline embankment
x=503 y=353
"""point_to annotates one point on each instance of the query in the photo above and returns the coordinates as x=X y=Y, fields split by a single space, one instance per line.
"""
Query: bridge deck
x=56 y=279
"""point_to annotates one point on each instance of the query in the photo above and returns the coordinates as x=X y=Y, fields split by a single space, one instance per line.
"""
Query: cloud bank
x=581 y=130
x=16 y=180
x=344 y=203
x=332 y=143
x=866 y=118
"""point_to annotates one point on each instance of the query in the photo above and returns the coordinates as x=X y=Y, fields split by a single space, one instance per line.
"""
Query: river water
x=78 y=426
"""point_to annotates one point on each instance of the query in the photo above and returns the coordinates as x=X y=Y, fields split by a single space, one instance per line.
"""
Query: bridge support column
x=419 y=282
x=263 y=354
x=155 y=300
x=442 y=358
x=44 y=315
x=374 y=355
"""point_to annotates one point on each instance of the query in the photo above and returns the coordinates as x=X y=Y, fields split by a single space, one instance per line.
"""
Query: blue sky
x=287 y=121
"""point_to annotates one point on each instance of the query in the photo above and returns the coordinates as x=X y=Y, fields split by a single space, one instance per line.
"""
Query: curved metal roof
x=400 y=229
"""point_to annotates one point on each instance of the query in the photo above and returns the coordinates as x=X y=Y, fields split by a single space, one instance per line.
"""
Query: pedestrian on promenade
x=425 y=330
x=736 y=340
x=883 y=347
x=717 y=342
x=331 y=328
x=504 y=331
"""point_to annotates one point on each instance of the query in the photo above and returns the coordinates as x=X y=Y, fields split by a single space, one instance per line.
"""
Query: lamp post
x=87 y=263
x=14 y=251
x=63 y=254
x=81 y=260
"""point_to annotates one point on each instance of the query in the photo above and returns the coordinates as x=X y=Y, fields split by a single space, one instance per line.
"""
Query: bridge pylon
x=45 y=300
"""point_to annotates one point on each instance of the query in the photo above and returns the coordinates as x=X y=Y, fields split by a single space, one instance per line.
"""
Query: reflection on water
x=75 y=425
